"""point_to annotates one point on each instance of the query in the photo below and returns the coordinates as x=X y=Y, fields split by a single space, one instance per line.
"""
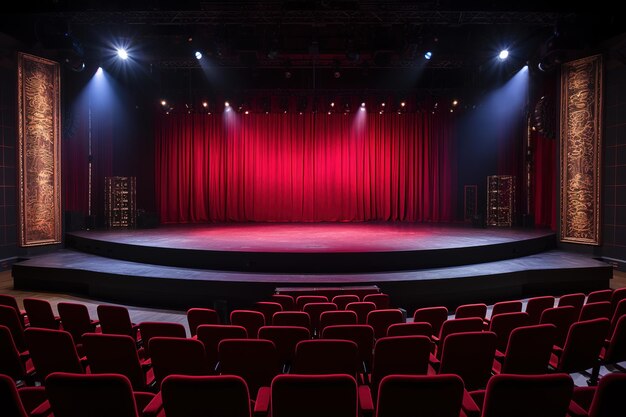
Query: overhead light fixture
x=428 y=55
x=504 y=54
x=122 y=53
x=198 y=55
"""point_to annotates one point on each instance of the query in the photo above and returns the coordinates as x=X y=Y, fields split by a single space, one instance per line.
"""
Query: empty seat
x=206 y=396
x=10 y=301
x=597 y=310
x=536 y=306
x=380 y=320
x=255 y=360
x=116 y=320
x=314 y=310
x=562 y=318
x=362 y=309
x=474 y=324
x=410 y=329
x=286 y=301
x=599 y=296
x=618 y=312
x=172 y=355
x=150 y=329
x=605 y=400
x=19 y=403
x=469 y=355
x=503 y=324
x=19 y=367
x=10 y=319
x=326 y=356
x=251 y=320
x=52 y=351
x=582 y=346
x=617 y=296
x=435 y=316
x=212 y=334
x=361 y=334
x=291 y=318
x=467 y=311
x=382 y=301
x=336 y=318
x=528 y=351
x=303 y=300
x=268 y=308
x=615 y=350
x=503 y=307
x=343 y=300
x=199 y=316
x=40 y=314
x=75 y=319
x=285 y=338
x=576 y=300
x=116 y=354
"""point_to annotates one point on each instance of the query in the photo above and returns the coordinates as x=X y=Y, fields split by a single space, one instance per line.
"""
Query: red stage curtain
x=312 y=167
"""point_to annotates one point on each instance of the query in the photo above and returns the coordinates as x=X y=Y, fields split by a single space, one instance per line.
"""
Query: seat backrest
x=10 y=301
x=10 y=402
x=410 y=329
x=251 y=320
x=336 y=318
x=208 y=396
x=583 y=345
x=529 y=349
x=616 y=351
x=285 y=338
x=469 y=355
x=380 y=320
x=599 y=296
x=597 y=310
x=343 y=300
x=173 y=355
x=212 y=334
x=114 y=354
x=536 y=306
x=102 y=395
x=286 y=301
x=608 y=400
x=303 y=300
x=467 y=311
x=291 y=318
x=150 y=329
x=255 y=360
x=436 y=316
x=362 y=309
x=115 y=320
x=503 y=324
x=382 y=301
x=314 y=396
x=420 y=395
x=576 y=300
x=503 y=307
x=268 y=308
x=619 y=311
x=400 y=355
x=325 y=356
x=40 y=313
x=314 y=310
x=528 y=395
x=52 y=351
x=361 y=334
x=562 y=318
x=75 y=319
x=449 y=327
x=198 y=316
x=10 y=363
x=10 y=318
x=617 y=296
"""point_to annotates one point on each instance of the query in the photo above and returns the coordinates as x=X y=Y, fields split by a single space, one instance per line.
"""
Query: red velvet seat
x=469 y=355
x=362 y=309
x=605 y=400
x=102 y=395
x=337 y=318
x=286 y=301
x=503 y=324
x=199 y=316
x=291 y=318
x=576 y=300
x=410 y=329
x=343 y=300
x=75 y=319
x=504 y=307
x=582 y=347
x=150 y=329
x=52 y=351
x=619 y=311
x=436 y=316
x=380 y=320
x=536 y=306
x=382 y=301
x=10 y=319
x=361 y=334
x=314 y=310
x=314 y=396
x=597 y=310
x=251 y=320
x=326 y=356
x=255 y=360
x=117 y=354
x=10 y=301
x=303 y=300
x=474 y=324
x=562 y=318
x=599 y=296
x=528 y=351
x=614 y=349
x=19 y=402
x=176 y=356
x=524 y=396
x=467 y=311
x=285 y=338
x=268 y=308
x=212 y=334
x=116 y=320
x=617 y=296
x=12 y=363
x=206 y=396
x=40 y=314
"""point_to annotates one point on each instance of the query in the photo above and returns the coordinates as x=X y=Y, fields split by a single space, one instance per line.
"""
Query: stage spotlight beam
x=122 y=53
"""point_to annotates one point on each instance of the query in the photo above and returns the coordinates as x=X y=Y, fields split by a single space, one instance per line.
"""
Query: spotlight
x=428 y=55
x=332 y=104
x=455 y=102
x=226 y=104
x=122 y=53
x=362 y=108
x=99 y=71
x=403 y=104
x=363 y=104
x=504 y=54
x=163 y=103
x=382 y=104
x=247 y=112
x=198 y=55
x=205 y=104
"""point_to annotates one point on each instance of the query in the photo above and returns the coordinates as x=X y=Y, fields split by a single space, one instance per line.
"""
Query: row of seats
x=334 y=395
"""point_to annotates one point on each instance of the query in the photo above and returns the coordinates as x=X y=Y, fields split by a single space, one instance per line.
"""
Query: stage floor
x=314 y=237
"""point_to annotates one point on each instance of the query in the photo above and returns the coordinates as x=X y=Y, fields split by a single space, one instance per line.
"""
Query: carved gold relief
x=39 y=150
x=581 y=144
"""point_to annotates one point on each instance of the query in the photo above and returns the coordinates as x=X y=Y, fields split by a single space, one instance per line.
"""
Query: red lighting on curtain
x=312 y=167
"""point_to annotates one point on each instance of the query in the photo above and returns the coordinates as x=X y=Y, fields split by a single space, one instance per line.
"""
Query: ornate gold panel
x=581 y=145
x=39 y=151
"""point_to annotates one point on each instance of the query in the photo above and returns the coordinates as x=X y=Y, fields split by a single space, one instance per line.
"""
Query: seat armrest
x=42 y=410
x=366 y=404
x=575 y=410
x=262 y=403
x=469 y=406
x=154 y=406
x=557 y=350
x=499 y=356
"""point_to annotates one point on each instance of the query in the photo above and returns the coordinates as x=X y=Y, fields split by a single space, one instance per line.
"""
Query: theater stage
x=236 y=264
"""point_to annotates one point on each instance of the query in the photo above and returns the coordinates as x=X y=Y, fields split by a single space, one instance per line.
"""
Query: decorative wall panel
x=581 y=144
x=39 y=151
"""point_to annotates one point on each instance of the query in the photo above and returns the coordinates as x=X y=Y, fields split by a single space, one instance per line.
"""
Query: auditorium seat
x=614 y=349
x=102 y=395
x=75 y=319
x=212 y=334
x=10 y=319
x=343 y=300
x=362 y=309
x=410 y=329
x=326 y=356
x=12 y=363
x=117 y=354
x=267 y=308
x=10 y=301
x=576 y=300
x=361 y=334
x=116 y=320
x=582 y=347
x=605 y=400
x=562 y=318
x=528 y=351
x=599 y=296
x=436 y=316
x=150 y=329
x=303 y=300
x=52 y=351
x=597 y=310
x=291 y=318
x=176 y=356
x=40 y=314
x=255 y=360
x=380 y=320
x=286 y=301
x=504 y=307
x=467 y=311
x=199 y=316
x=617 y=296
x=206 y=396
x=536 y=306
x=618 y=312
x=336 y=318
x=251 y=320
x=285 y=338
x=20 y=402
x=382 y=301
x=503 y=324
x=314 y=310
x=523 y=396
x=473 y=324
